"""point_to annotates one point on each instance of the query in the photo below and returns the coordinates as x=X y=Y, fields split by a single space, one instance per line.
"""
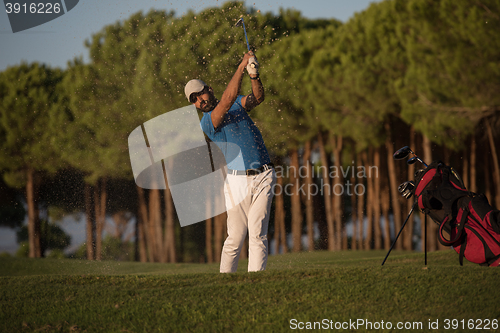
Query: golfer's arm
x=228 y=97
x=256 y=97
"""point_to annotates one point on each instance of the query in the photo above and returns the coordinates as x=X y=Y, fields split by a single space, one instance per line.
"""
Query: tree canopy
x=432 y=66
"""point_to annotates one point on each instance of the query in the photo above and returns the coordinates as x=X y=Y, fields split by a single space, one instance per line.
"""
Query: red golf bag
x=472 y=225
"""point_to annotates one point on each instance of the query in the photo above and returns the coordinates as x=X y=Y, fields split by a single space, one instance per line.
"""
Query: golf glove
x=253 y=66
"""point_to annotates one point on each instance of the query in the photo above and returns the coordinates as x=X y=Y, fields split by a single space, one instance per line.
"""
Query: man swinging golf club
x=249 y=184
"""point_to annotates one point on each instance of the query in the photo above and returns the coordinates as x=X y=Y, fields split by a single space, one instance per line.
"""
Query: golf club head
x=457 y=176
x=412 y=160
x=239 y=22
x=416 y=159
x=419 y=173
x=402 y=153
x=406 y=189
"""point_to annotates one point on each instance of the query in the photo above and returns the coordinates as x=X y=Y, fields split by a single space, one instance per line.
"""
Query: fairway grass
x=329 y=288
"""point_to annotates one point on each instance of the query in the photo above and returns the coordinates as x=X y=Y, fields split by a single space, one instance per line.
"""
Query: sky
x=62 y=39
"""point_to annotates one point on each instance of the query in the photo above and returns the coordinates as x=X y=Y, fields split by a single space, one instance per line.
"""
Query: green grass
x=78 y=296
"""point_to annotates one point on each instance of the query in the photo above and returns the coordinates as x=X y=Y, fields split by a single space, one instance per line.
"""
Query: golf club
x=457 y=177
x=415 y=159
x=419 y=173
x=241 y=22
x=404 y=152
x=406 y=189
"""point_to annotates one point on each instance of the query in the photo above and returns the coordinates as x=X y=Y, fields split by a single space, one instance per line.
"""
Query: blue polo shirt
x=239 y=139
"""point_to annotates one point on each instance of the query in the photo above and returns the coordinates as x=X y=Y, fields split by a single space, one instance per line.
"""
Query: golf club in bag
x=472 y=225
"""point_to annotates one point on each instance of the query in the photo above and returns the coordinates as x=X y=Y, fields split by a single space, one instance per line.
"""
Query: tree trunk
x=446 y=154
x=33 y=216
x=279 y=218
x=209 y=231
x=376 y=200
x=427 y=145
x=369 y=200
x=141 y=240
x=146 y=225
x=98 y=226
x=327 y=192
x=473 y=176
x=354 y=215
x=169 y=243
x=220 y=233
x=295 y=202
x=100 y=214
x=385 y=200
x=465 y=168
x=309 y=198
x=208 y=240
x=338 y=190
x=89 y=222
x=155 y=224
x=396 y=209
x=408 y=232
x=431 y=227
x=487 y=178
x=361 y=207
x=137 y=238
x=103 y=199
x=496 y=167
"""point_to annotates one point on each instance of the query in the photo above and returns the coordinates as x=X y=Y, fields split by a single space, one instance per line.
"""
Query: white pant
x=248 y=203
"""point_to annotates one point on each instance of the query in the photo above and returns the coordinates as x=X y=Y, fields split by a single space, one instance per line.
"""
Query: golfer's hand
x=252 y=65
x=246 y=58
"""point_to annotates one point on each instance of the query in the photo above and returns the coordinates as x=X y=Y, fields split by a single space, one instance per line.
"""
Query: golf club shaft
x=399 y=233
x=245 y=30
x=420 y=160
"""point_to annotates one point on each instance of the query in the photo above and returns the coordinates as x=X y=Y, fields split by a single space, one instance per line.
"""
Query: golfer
x=248 y=188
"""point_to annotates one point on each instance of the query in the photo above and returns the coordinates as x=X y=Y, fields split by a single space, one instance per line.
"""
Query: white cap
x=194 y=86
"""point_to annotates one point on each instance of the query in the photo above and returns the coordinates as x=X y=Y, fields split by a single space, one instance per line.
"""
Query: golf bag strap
x=460 y=228
x=493 y=260
x=463 y=245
